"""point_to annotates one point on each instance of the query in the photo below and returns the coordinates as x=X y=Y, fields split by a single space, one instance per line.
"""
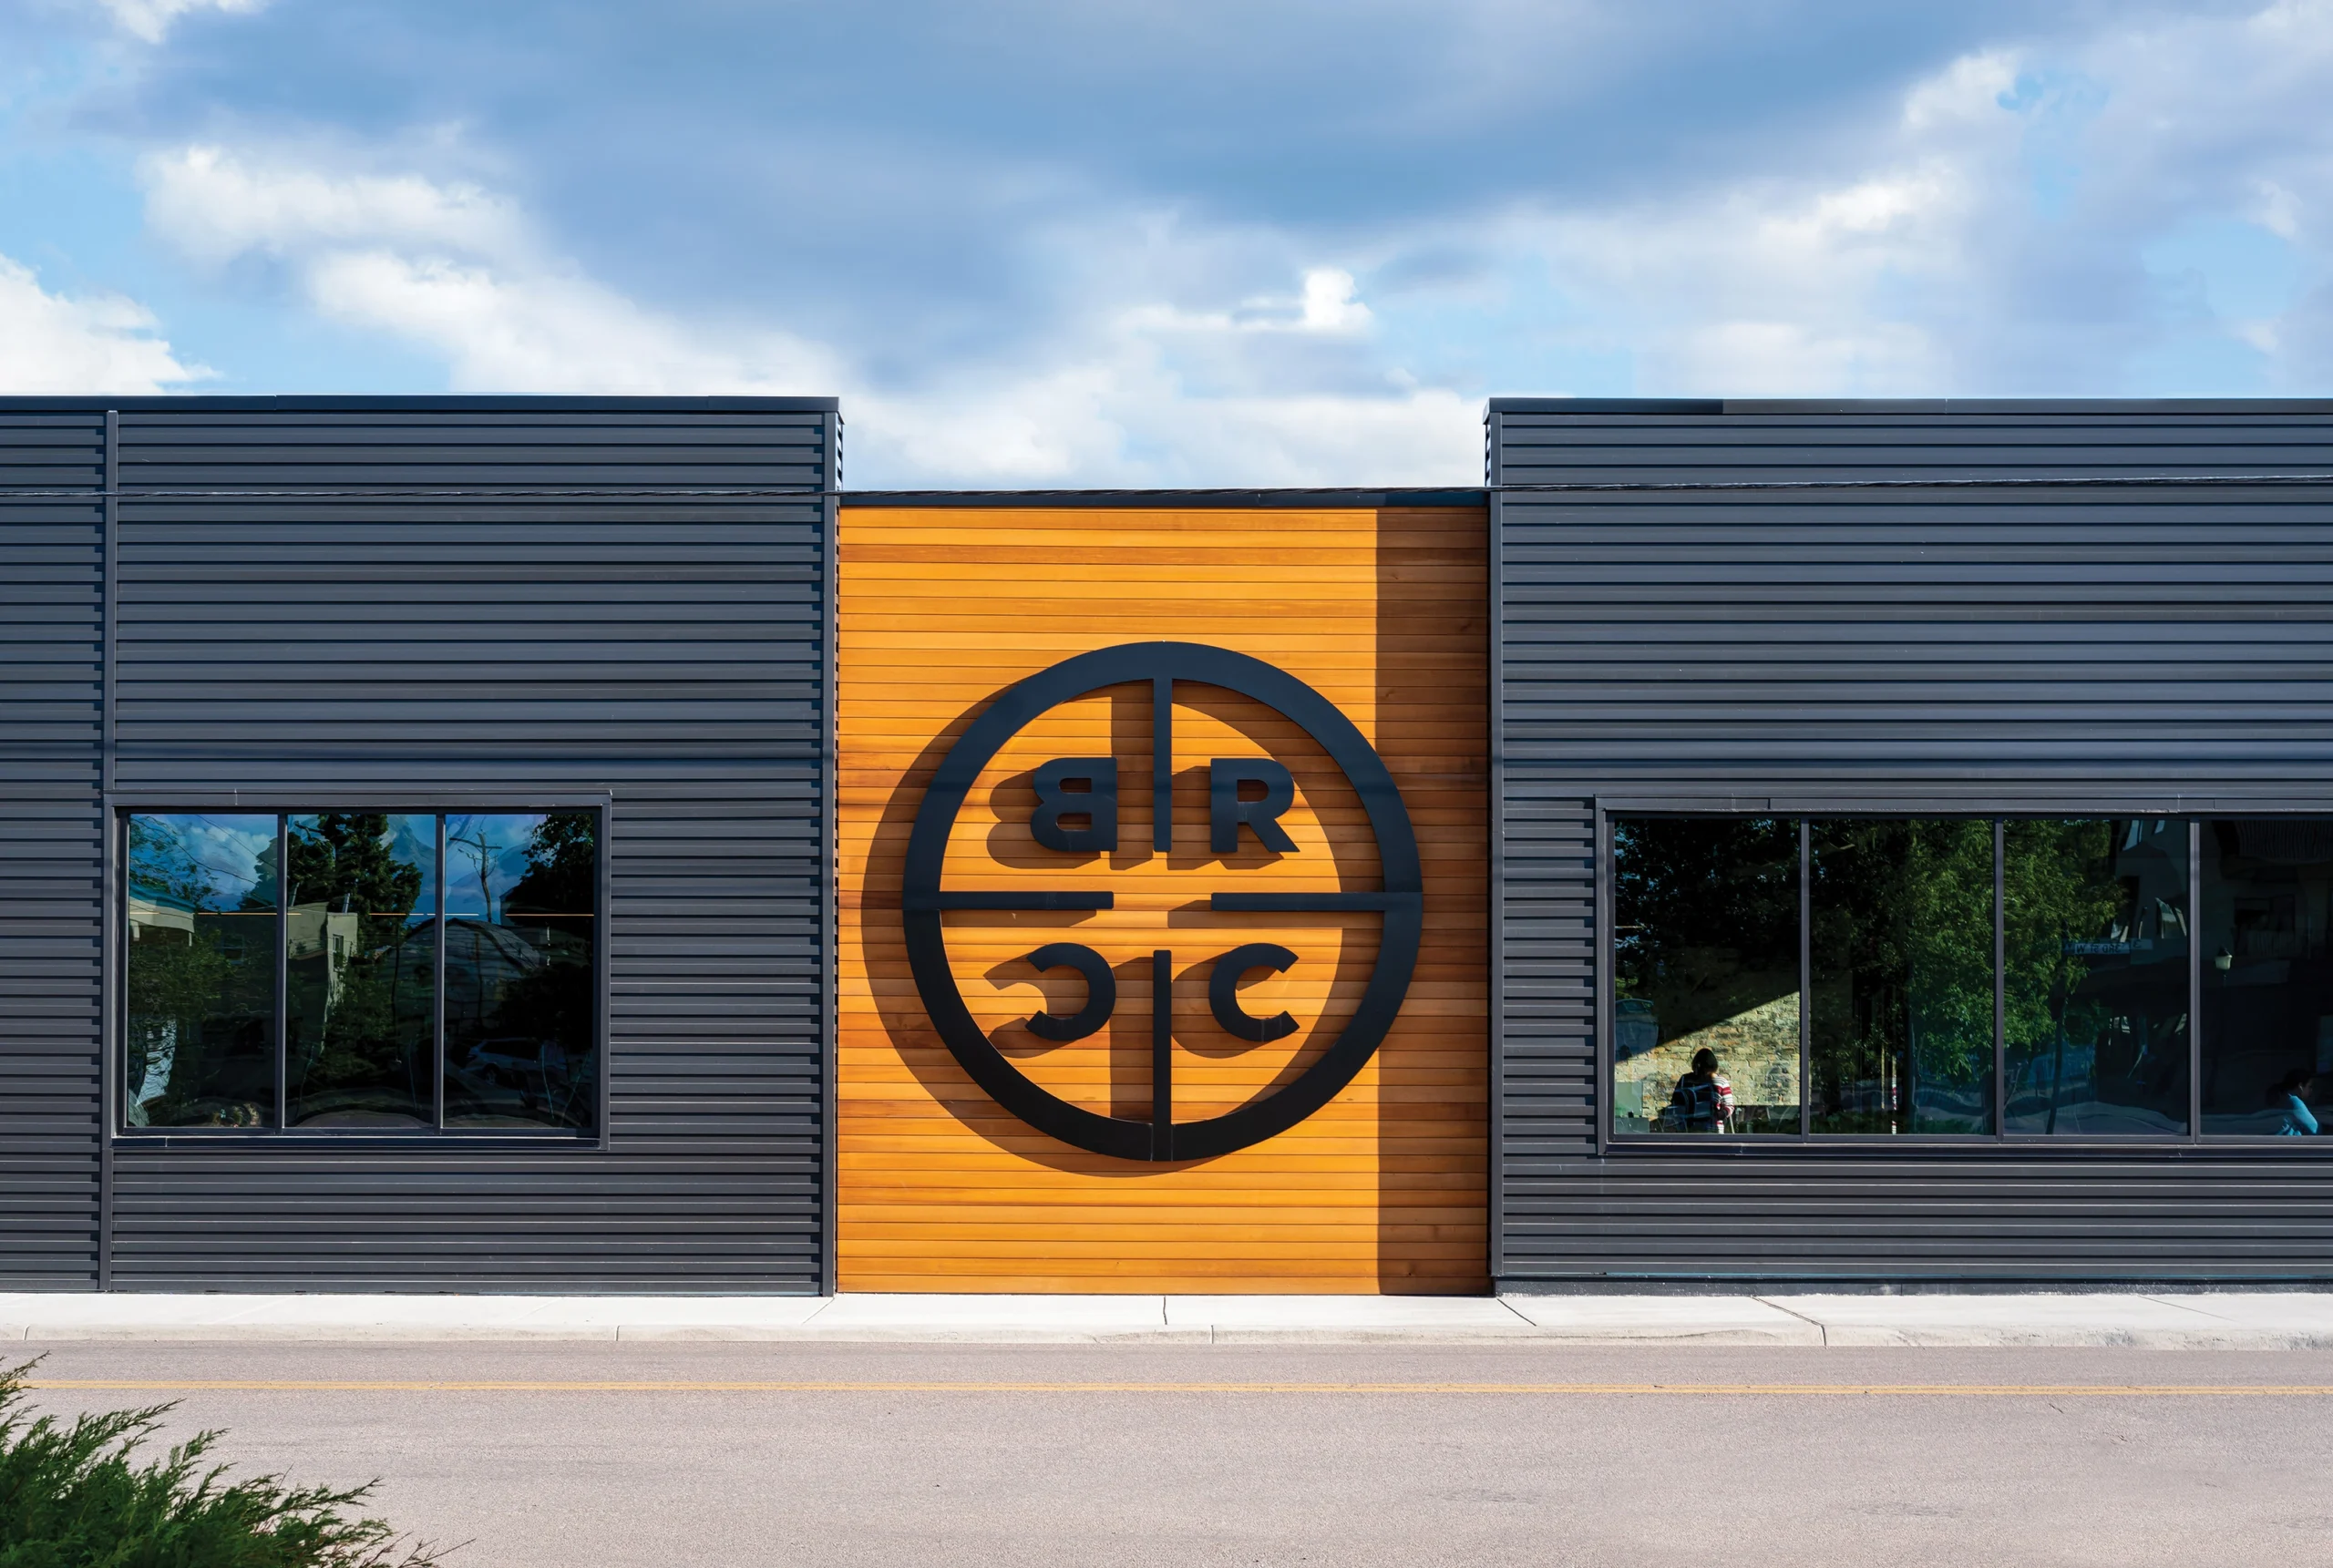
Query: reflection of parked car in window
x=512 y=1062
x=540 y=1070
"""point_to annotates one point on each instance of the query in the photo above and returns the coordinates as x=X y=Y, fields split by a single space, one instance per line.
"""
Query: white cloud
x=1777 y=287
x=1986 y=233
x=1327 y=303
x=1141 y=393
x=1331 y=304
x=1767 y=292
x=458 y=271
x=1990 y=237
x=214 y=206
x=516 y=330
x=51 y=343
x=150 y=19
x=1122 y=417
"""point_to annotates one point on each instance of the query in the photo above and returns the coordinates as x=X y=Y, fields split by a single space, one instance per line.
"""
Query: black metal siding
x=668 y=651
x=51 y=589
x=1971 y=648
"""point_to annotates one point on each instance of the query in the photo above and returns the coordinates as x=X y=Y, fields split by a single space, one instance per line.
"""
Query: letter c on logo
x=1223 y=990
x=1100 y=991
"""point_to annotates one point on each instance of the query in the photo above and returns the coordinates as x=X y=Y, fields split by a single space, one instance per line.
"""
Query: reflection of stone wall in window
x=1757 y=1050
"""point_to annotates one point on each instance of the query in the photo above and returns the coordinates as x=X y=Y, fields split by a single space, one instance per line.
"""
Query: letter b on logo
x=1097 y=802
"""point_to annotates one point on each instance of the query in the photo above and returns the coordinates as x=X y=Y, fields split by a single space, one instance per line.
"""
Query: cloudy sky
x=1168 y=242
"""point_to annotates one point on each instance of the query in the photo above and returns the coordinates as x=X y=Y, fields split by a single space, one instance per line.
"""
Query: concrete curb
x=2237 y=1321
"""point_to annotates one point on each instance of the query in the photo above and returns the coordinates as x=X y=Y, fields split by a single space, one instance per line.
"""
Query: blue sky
x=1197 y=243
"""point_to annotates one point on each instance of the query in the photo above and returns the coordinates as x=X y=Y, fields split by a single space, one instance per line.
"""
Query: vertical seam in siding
x=829 y=865
x=110 y=511
x=1495 y=959
x=109 y=954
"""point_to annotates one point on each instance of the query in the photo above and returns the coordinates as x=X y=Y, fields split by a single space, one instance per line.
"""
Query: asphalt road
x=1728 y=1456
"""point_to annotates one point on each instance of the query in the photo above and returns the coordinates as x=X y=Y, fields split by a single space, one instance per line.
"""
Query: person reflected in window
x=2291 y=1096
x=1702 y=1100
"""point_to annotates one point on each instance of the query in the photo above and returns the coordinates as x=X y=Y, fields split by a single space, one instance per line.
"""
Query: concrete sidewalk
x=2244 y=1321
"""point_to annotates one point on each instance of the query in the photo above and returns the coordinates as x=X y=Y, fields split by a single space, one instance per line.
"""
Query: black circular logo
x=1401 y=900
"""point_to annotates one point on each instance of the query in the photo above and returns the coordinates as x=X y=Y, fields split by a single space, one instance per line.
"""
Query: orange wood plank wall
x=1382 y=611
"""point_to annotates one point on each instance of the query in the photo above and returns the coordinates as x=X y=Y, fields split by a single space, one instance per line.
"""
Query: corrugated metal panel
x=51 y=602
x=1970 y=647
x=669 y=652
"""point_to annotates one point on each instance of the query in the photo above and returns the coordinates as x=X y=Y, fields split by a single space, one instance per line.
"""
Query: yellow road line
x=667 y=1385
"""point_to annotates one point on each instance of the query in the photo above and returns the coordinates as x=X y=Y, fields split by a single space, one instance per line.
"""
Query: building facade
x=573 y=844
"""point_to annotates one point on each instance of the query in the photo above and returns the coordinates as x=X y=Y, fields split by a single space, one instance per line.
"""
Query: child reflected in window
x=1702 y=1100
x=2291 y=1096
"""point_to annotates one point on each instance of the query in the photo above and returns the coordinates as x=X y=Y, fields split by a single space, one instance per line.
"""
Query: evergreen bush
x=71 y=1496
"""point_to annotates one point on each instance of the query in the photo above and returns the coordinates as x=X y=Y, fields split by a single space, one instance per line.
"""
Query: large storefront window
x=363 y=969
x=1972 y=978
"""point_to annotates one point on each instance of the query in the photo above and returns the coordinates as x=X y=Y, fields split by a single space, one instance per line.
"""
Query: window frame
x=121 y=806
x=2002 y=1143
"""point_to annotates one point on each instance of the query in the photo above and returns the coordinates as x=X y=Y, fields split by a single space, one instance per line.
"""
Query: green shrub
x=70 y=1497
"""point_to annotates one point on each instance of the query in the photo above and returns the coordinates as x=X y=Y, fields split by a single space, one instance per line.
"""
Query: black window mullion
x=2001 y=978
x=2194 y=979
x=1806 y=978
x=283 y=971
x=437 y=1025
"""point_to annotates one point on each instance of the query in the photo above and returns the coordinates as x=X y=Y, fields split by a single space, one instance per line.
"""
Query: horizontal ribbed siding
x=2079 y=1217
x=1965 y=647
x=667 y=651
x=51 y=692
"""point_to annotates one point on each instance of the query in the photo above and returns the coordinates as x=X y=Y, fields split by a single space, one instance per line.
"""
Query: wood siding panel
x=1384 y=611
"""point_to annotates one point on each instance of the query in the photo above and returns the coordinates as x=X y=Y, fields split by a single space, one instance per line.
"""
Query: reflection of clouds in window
x=214 y=859
x=231 y=848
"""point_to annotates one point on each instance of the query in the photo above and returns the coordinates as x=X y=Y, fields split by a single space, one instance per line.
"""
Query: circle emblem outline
x=1402 y=899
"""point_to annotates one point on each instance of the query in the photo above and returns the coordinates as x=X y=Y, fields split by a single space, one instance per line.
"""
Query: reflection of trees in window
x=1705 y=917
x=363 y=976
x=178 y=972
x=198 y=1022
x=521 y=1005
x=551 y=903
x=562 y=868
x=1705 y=945
x=1902 y=932
x=471 y=843
x=2096 y=994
